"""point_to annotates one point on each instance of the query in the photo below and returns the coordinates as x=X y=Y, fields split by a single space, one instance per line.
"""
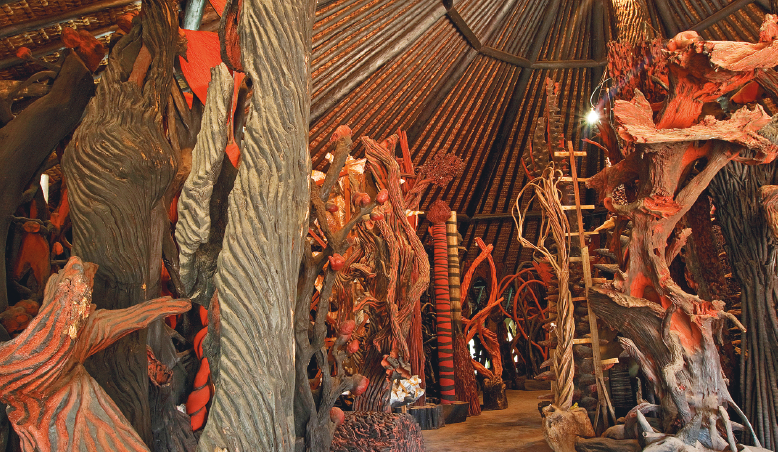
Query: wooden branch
x=67 y=16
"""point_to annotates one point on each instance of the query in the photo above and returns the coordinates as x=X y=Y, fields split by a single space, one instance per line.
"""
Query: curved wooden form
x=193 y=229
x=118 y=167
x=670 y=332
x=53 y=402
x=267 y=215
x=23 y=148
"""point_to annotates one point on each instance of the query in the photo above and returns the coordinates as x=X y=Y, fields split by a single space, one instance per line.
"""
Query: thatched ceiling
x=464 y=77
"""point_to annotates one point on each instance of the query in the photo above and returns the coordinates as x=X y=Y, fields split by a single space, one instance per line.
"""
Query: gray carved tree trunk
x=267 y=216
x=752 y=253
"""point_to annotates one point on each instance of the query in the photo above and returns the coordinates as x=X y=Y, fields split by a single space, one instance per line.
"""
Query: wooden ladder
x=604 y=405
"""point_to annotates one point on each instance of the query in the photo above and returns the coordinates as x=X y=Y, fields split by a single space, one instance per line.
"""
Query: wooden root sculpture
x=670 y=332
x=53 y=403
x=259 y=263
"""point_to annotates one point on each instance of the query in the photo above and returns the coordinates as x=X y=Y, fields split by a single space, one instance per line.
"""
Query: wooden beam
x=721 y=14
x=525 y=63
x=71 y=14
x=666 y=17
x=511 y=112
x=463 y=28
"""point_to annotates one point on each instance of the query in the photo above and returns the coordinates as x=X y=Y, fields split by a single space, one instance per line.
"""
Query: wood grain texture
x=194 y=224
x=119 y=166
x=267 y=215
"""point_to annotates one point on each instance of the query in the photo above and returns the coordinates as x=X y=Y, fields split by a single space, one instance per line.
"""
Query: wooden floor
x=516 y=429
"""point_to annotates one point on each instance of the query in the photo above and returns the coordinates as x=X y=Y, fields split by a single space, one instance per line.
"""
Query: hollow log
x=267 y=215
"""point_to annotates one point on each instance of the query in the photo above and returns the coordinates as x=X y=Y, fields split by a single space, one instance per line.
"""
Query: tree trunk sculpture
x=118 y=167
x=267 y=216
x=54 y=404
x=667 y=330
x=750 y=245
x=438 y=214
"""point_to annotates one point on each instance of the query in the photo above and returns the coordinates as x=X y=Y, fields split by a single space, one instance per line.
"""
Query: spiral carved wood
x=267 y=215
x=53 y=403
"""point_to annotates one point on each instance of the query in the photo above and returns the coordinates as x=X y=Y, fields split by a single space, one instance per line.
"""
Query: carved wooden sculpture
x=267 y=215
x=119 y=166
x=53 y=402
x=747 y=225
x=408 y=270
x=315 y=416
x=438 y=214
x=673 y=158
x=23 y=148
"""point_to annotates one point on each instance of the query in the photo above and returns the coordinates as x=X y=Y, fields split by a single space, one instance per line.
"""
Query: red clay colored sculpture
x=53 y=403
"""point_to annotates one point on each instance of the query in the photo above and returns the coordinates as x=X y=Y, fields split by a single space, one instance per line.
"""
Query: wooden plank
x=583 y=207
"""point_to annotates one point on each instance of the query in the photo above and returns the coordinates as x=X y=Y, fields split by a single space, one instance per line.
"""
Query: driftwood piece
x=54 y=404
x=672 y=159
x=260 y=260
x=561 y=427
x=119 y=166
x=23 y=148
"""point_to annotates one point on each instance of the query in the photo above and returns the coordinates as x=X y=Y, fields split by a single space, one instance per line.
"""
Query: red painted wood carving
x=53 y=403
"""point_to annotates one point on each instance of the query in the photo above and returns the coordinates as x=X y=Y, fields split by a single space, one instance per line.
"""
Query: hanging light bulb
x=593 y=117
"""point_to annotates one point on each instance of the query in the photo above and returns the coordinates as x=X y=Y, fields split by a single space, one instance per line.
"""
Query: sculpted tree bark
x=750 y=244
x=673 y=158
x=118 y=167
x=54 y=404
x=267 y=215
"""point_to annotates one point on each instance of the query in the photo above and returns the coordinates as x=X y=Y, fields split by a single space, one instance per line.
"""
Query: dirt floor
x=516 y=429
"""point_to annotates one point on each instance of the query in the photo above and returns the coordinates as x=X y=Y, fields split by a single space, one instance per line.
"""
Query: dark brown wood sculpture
x=23 y=148
x=53 y=402
x=315 y=415
x=119 y=166
x=671 y=159
x=259 y=263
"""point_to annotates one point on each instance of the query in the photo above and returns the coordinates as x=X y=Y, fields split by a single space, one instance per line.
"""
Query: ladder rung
x=578 y=299
x=578 y=258
x=582 y=340
x=583 y=207
x=606 y=362
x=570 y=179
x=586 y=234
x=567 y=154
